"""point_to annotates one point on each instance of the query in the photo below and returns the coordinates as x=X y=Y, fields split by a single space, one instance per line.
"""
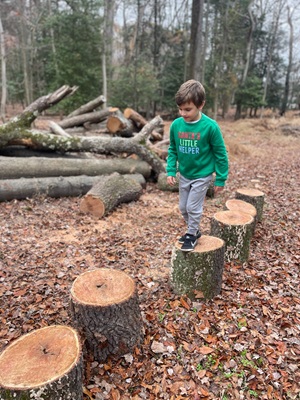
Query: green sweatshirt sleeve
x=220 y=155
x=172 y=155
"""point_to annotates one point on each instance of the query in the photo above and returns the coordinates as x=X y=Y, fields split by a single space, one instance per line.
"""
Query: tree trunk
x=198 y=274
x=104 y=307
x=44 y=364
x=235 y=228
x=242 y=206
x=88 y=107
x=35 y=167
x=3 y=73
x=91 y=117
x=108 y=193
x=56 y=187
x=254 y=197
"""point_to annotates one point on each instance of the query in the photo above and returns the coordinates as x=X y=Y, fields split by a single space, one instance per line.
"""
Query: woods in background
x=136 y=52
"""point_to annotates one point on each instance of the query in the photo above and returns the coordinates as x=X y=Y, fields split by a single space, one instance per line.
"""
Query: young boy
x=197 y=147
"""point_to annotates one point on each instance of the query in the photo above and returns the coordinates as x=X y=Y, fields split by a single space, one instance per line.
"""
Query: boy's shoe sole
x=182 y=238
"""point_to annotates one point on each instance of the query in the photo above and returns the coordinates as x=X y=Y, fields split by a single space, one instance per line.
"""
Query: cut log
x=71 y=186
x=92 y=117
x=242 y=206
x=13 y=168
x=105 y=309
x=108 y=193
x=140 y=122
x=44 y=364
x=88 y=107
x=235 y=228
x=118 y=124
x=254 y=197
x=198 y=274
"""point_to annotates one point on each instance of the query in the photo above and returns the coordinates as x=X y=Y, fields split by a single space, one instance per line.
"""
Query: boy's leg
x=194 y=205
x=184 y=190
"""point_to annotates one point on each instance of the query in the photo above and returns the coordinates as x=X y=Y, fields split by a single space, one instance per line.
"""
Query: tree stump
x=105 y=310
x=43 y=364
x=254 y=197
x=108 y=193
x=242 y=206
x=235 y=228
x=198 y=274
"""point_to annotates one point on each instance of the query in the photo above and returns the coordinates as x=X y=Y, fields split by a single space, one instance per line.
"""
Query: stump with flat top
x=43 y=364
x=254 y=197
x=242 y=206
x=105 y=309
x=198 y=274
x=107 y=193
x=235 y=228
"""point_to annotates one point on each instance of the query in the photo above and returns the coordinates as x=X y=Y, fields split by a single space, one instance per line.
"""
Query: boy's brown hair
x=191 y=91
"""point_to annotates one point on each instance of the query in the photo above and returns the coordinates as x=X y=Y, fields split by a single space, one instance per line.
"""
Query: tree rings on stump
x=198 y=274
x=242 y=206
x=105 y=309
x=254 y=197
x=236 y=229
x=43 y=364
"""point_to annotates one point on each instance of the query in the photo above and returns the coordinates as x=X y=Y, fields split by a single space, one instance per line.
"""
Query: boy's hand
x=218 y=189
x=171 y=180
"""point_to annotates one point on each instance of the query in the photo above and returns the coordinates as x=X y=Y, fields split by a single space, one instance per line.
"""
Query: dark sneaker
x=182 y=238
x=189 y=243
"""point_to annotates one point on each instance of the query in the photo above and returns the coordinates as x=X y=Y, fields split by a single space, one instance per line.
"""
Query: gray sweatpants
x=191 y=198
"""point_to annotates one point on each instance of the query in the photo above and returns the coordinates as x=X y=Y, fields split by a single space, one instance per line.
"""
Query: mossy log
x=108 y=193
x=236 y=229
x=105 y=309
x=43 y=364
x=242 y=206
x=198 y=274
x=254 y=197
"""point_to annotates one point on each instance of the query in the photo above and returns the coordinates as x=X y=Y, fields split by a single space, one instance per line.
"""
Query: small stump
x=105 y=309
x=235 y=228
x=198 y=274
x=254 y=197
x=242 y=206
x=43 y=364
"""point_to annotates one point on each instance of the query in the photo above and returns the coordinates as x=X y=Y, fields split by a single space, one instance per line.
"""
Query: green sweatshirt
x=199 y=150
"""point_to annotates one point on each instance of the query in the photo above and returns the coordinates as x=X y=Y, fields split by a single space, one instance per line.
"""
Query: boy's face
x=189 y=112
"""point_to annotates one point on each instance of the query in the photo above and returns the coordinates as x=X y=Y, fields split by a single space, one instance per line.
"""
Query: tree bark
x=118 y=124
x=92 y=117
x=140 y=122
x=235 y=228
x=104 y=307
x=44 y=364
x=254 y=197
x=198 y=274
x=35 y=167
x=88 y=107
x=108 y=193
x=71 y=186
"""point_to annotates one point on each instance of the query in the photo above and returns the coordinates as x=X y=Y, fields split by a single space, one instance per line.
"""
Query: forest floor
x=243 y=344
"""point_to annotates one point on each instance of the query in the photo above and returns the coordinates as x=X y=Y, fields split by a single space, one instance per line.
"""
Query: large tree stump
x=105 y=309
x=236 y=229
x=198 y=274
x=242 y=206
x=254 y=197
x=108 y=193
x=44 y=364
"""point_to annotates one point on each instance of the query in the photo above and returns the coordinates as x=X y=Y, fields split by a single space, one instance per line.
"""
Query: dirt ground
x=251 y=329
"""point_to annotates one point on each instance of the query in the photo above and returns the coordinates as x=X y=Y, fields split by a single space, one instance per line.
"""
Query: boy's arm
x=172 y=157
x=221 y=159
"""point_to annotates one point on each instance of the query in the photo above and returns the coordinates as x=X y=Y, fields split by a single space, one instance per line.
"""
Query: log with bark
x=236 y=229
x=198 y=274
x=17 y=132
x=43 y=364
x=242 y=206
x=13 y=168
x=140 y=122
x=107 y=193
x=105 y=310
x=119 y=125
x=254 y=197
x=92 y=117
x=70 y=186
x=88 y=107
